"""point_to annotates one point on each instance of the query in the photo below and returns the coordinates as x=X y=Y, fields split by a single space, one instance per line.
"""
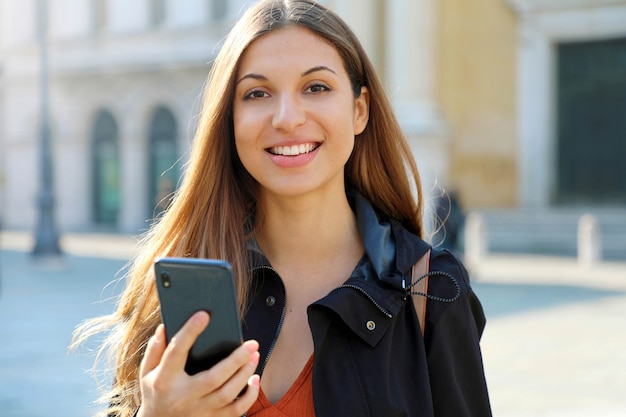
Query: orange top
x=297 y=401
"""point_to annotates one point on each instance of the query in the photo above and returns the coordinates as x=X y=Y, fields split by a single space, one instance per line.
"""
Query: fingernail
x=251 y=346
x=254 y=381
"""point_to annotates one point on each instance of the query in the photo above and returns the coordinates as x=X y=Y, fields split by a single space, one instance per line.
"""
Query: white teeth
x=293 y=150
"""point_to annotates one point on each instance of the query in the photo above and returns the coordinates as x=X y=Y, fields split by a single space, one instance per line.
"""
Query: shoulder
x=443 y=261
x=450 y=292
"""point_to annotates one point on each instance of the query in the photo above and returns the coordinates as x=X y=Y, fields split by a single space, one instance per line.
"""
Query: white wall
x=70 y=19
x=126 y=17
x=185 y=13
x=19 y=23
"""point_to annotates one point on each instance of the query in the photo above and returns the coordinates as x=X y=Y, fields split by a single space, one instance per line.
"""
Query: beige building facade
x=477 y=90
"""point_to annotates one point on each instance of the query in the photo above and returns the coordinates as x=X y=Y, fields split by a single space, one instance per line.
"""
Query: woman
x=298 y=177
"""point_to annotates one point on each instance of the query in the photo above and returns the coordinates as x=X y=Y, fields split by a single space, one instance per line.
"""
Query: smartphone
x=187 y=285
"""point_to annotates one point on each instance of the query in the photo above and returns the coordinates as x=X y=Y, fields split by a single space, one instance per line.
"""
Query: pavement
x=554 y=346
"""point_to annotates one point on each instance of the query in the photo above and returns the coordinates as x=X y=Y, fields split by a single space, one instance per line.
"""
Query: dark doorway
x=591 y=123
x=164 y=171
x=106 y=170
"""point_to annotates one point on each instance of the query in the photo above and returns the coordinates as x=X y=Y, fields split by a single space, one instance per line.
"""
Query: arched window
x=106 y=169
x=157 y=12
x=163 y=151
x=218 y=9
x=99 y=15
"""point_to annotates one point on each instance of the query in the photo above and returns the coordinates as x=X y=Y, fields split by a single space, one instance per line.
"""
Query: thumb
x=154 y=351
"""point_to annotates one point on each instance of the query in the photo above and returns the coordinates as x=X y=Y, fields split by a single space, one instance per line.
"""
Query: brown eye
x=318 y=88
x=255 y=94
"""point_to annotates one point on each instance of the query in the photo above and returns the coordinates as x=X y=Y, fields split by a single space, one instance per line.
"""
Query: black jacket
x=369 y=355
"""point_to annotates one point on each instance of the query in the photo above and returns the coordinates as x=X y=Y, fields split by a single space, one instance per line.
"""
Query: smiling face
x=294 y=113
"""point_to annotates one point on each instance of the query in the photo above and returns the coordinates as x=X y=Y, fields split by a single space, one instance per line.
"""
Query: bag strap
x=420 y=270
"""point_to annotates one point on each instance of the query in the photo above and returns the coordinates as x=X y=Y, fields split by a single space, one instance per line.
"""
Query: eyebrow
x=304 y=74
x=317 y=68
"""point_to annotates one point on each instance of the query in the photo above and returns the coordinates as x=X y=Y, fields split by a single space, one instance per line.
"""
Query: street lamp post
x=46 y=237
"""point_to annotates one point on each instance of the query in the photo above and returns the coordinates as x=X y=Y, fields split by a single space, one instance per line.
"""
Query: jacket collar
x=390 y=249
x=382 y=274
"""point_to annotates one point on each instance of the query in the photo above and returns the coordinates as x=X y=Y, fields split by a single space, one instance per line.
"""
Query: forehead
x=288 y=46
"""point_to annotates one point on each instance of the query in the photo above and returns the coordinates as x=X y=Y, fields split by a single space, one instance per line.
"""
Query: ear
x=361 y=111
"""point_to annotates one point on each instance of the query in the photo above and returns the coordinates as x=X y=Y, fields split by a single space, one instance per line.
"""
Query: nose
x=288 y=113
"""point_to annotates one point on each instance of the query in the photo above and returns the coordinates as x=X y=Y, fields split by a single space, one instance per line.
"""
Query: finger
x=154 y=351
x=225 y=381
x=224 y=370
x=234 y=387
x=175 y=355
x=243 y=403
x=238 y=357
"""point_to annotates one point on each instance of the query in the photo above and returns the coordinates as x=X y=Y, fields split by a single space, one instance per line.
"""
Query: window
x=163 y=152
x=106 y=169
x=157 y=12
x=99 y=15
x=218 y=9
x=591 y=99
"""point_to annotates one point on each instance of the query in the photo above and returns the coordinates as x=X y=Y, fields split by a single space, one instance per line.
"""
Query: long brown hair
x=211 y=214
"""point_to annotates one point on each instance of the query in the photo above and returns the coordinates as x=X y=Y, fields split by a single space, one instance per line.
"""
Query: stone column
x=410 y=62
x=410 y=57
x=363 y=18
x=589 y=241
x=134 y=182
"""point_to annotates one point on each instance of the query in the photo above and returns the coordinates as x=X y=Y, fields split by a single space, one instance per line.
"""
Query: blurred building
x=125 y=85
x=516 y=105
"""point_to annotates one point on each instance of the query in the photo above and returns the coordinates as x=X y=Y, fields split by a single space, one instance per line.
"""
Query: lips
x=294 y=150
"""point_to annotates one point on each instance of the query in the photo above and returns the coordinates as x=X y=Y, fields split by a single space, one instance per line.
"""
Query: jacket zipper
x=280 y=325
x=280 y=322
x=369 y=297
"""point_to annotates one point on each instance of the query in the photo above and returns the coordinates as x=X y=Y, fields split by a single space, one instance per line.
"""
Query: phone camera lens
x=165 y=279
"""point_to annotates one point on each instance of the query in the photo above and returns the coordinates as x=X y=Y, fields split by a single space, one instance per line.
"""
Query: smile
x=294 y=150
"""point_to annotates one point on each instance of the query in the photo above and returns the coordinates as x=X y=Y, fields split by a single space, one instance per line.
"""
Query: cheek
x=244 y=146
x=241 y=130
x=237 y=122
x=245 y=123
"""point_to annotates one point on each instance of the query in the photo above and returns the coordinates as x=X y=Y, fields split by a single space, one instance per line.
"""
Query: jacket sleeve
x=453 y=332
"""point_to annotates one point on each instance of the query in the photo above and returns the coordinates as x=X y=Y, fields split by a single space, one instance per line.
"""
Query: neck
x=309 y=233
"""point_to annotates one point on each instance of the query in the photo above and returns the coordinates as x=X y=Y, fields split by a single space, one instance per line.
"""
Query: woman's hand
x=167 y=390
